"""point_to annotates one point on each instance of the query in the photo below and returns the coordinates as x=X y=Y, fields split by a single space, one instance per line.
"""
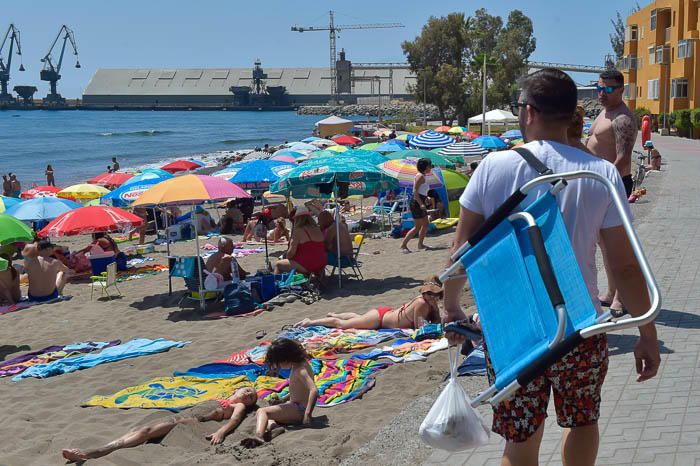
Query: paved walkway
x=658 y=421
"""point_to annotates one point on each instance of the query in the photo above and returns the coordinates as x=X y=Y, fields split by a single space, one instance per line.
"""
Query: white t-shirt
x=585 y=204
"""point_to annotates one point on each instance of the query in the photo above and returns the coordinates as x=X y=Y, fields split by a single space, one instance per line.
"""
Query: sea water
x=80 y=144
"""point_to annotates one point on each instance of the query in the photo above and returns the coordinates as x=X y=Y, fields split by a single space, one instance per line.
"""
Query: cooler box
x=99 y=262
x=266 y=285
x=179 y=232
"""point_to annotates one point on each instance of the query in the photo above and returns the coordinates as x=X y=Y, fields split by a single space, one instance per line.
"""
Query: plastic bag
x=213 y=280
x=452 y=424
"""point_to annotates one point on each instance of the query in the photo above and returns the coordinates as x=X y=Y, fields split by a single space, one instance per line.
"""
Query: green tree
x=617 y=37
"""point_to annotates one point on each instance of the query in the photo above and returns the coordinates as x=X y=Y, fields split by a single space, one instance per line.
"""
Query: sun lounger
x=522 y=268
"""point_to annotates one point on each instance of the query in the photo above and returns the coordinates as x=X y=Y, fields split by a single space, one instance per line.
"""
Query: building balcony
x=667 y=35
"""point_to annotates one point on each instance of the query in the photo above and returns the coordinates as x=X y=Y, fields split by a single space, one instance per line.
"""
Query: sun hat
x=431 y=285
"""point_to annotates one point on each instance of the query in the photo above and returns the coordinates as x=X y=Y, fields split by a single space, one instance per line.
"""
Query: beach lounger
x=522 y=268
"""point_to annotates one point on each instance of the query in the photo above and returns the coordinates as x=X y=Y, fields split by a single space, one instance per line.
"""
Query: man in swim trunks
x=47 y=275
x=414 y=314
x=233 y=408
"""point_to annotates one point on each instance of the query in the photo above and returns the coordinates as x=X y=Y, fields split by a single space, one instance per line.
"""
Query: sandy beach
x=42 y=416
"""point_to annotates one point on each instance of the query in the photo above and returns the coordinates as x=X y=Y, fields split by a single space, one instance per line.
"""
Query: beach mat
x=25 y=303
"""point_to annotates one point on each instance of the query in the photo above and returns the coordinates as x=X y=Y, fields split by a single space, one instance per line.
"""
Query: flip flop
x=260 y=334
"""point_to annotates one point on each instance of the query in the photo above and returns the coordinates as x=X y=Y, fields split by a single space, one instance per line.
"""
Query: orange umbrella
x=110 y=179
x=190 y=189
x=443 y=129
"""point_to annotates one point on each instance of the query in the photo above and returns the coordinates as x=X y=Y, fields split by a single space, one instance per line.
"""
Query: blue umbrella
x=41 y=208
x=390 y=146
x=431 y=140
x=512 y=134
x=147 y=175
x=199 y=162
x=256 y=174
x=310 y=139
x=374 y=158
x=128 y=193
x=302 y=146
x=490 y=142
x=7 y=202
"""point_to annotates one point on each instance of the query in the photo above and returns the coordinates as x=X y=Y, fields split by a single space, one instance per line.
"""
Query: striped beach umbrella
x=464 y=149
x=189 y=190
x=430 y=140
x=405 y=171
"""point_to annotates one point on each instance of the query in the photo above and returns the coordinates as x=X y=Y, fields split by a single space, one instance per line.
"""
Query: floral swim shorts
x=576 y=381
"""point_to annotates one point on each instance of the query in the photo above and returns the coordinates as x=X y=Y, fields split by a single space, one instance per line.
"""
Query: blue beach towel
x=134 y=348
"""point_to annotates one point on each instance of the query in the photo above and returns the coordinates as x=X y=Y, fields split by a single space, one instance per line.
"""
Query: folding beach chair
x=522 y=268
x=353 y=263
x=105 y=281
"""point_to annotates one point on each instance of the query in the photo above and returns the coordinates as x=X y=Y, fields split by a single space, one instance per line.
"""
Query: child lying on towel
x=233 y=408
x=413 y=314
x=298 y=407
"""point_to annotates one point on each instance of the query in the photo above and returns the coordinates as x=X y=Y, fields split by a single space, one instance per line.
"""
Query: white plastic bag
x=452 y=424
x=213 y=280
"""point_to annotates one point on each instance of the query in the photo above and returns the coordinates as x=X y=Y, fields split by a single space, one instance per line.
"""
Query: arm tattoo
x=625 y=134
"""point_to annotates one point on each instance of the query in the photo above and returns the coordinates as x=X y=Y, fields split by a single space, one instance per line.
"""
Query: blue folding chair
x=533 y=303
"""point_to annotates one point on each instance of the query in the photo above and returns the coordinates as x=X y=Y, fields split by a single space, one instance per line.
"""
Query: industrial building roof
x=216 y=81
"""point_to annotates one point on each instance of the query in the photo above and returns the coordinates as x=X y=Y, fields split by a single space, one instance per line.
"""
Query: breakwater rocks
x=409 y=110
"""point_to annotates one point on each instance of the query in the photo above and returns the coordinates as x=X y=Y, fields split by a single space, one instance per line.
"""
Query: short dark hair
x=614 y=75
x=44 y=244
x=284 y=350
x=552 y=92
x=423 y=164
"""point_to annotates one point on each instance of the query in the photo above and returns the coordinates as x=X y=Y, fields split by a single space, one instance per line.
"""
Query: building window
x=679 y=88
x=630 y=92
x=653 y=89
x=685 y=49
x=652 y=55
x=631 y=33
x=652 y=23
x=629 y=62
x=660 y=55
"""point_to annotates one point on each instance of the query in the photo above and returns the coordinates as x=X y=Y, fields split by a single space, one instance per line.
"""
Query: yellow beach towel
x=442 y=223
x=173 y=393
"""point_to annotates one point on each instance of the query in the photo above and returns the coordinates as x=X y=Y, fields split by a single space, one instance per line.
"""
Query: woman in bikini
x=233 y=408
x=307 y=249
x=413 y=314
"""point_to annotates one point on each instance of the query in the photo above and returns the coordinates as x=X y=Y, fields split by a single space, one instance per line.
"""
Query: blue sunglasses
x=607 y=89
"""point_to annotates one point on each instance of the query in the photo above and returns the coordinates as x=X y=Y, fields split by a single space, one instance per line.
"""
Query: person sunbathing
x=413 y=314
x=233 y=408
x=47 y=275
x=281 y=232
x=9 y=282
x=286 y=354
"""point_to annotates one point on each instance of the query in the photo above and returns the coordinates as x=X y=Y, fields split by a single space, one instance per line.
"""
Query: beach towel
x=406 y=350
x=474 y=364
x=173 y=393
x=132 y=349
x=134 y=273
x=338 y=341
x=183 y=267
x=220 y=370
x=136 y=261
x=23 y=362
x=254 y=355
x=25 y=303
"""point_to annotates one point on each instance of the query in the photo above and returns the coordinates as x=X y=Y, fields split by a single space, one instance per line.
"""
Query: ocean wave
x=239 y=141
x=152 y=132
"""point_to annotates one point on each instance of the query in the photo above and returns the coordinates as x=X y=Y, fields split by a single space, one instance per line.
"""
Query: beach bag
x=452 y=424
x=238 y=300
x=213 y=281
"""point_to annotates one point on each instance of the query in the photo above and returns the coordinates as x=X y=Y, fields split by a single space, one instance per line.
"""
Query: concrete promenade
x=658 y=421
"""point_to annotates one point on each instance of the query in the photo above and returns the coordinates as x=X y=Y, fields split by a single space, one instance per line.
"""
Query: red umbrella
x=180 y=166
x=345 y=140
x=92 y=219
x=40 y=191
x=110 y=179
x=471 y=134
x=443 y=129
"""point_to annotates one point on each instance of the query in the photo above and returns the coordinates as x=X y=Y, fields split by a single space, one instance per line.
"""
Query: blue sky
x=232 y=33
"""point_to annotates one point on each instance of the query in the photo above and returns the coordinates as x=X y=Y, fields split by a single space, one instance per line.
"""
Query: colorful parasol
x=457 y=130
x=111 y=179
x=127 y=193
x=256 y=174
x=415 y=154
x=442 y=129
x=42 y=208
x=471 y=134
x=180 y=166
x=337 y=148
x=149 y=174
x=346 y=140
x=13 y=230
x=369 y=146
x=92 y=219
x=285 y=158
x=190 y=189
x=8 y=202
x=40 y=191
x=82 y=191
x=405 y=172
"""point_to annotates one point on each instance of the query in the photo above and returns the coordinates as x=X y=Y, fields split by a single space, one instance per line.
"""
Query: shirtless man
x=47 y=276
x=16 y=186
x=612 y=138
x=327 y=225
x=9 y=281
x=221 y=260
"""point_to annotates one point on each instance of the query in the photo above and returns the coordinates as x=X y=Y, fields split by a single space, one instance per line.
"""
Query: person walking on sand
x=419 y=210
x=49 y=176
x=612 y=138
x=233 y=409
x=545 y=109
x=115 y=165
x=47 y=275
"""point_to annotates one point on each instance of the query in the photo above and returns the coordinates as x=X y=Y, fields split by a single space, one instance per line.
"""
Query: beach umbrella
x=512 y=134
x=258 y=174
x=198 y=162
x=322 y=143
x=457 y=130
x=42 y=208
x=490 y=142
x=111 y=179
x=147 y=175
x=337 y=148
x=405 y=172
x=405 y=136
x=3 y=264
x=390 y=146
x=431 y=140
x=373 y=157
x=304 y=146
x=442 y=129
x=369 y=146
x=345 y=140
x=91 y=219
x=517 y=142
x=310 y=139
x=127 y=193
x=381 y=132
x=8 y=202
x=285 y=158
x=83 y=191
x=463 y=149
x=436 y=159
x=471 y=134
x=180 y=166
x=293 y=153
x=322 y=153
x=40 y=191
x=13 y=230
x=190 y=190
x=257 y=155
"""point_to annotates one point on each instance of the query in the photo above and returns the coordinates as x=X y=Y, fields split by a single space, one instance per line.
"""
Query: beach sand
x=40 y=417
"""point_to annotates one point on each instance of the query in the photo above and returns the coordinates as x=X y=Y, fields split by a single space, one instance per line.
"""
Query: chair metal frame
x=355 y=265
x=105 y=280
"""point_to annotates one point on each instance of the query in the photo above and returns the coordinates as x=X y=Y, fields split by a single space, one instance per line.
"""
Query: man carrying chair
x=545 y=109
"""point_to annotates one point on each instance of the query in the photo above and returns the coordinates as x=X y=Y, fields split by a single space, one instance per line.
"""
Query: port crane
x=333 y=31
x=51 y=72
x=12 y=35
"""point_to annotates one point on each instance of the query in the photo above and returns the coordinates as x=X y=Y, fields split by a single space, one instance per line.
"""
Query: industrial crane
x=333 y=31
x=51 y=72
x=12 y=35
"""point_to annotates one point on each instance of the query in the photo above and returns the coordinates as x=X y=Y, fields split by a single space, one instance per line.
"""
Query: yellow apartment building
x=660 y=64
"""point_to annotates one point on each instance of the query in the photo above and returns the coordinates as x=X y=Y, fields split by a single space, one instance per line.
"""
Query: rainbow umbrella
x=189 y=190
x=13 y=230
x=8 y=202
x=92 y=219
x=405 y=172
x=128 y=193
x=83 y=191
x=457 y=130
x=337 y=148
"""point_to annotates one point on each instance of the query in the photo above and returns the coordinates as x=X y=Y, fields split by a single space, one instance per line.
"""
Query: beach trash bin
x=99 y=262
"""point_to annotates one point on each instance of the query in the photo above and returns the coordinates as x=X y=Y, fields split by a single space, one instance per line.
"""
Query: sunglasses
x=607 y=89
x=516 y=106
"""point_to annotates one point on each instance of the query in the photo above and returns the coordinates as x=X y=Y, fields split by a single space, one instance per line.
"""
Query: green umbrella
x=369 y=146
x=3 y=264
x=373 y=157
x=14 y=231
x=437 y=159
